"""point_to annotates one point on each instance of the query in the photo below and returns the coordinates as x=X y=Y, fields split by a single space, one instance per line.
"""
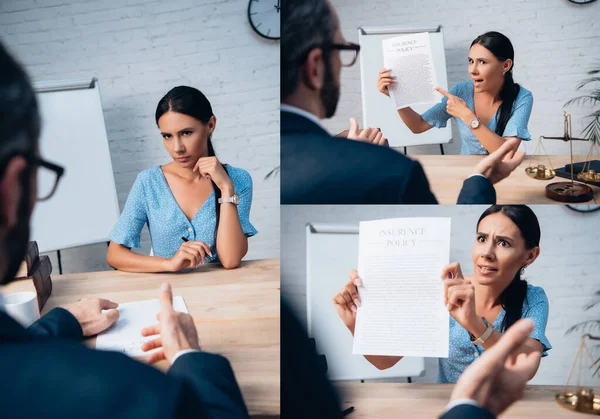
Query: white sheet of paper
x=411 y=61
x=125 y=335
x=402 y=310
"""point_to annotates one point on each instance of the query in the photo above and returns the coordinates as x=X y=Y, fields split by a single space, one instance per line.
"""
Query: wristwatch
x=481 y=339
x=235 y=199
x=475 y=123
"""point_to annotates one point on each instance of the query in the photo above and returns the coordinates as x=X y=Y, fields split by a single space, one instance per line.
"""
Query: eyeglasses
x=47 y=177
x=348 y=52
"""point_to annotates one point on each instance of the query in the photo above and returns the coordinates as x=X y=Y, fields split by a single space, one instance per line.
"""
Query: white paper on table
x=126 y=334
x=410 y=59
x=402 y=311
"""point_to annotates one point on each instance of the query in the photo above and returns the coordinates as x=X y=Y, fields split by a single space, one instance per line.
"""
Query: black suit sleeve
x=212 y=380
x=58 y=323
x=417 y=189
x=467 y=411
x=305 y=390
x=477 y=190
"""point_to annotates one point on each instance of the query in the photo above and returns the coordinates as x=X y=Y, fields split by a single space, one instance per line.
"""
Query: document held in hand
x=125 y=335
x=402 y=311
x=410 y=60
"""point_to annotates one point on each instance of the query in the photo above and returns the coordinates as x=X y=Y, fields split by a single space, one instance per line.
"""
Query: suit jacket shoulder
x=319 y=169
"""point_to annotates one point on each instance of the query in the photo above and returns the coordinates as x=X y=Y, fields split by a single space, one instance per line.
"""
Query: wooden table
x=447 y=173
x=235 y=311
x=415 y=401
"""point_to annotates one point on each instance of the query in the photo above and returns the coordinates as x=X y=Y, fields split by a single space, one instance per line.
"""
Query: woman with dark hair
x=481 y=306
x=196 y=208
x=488 y=110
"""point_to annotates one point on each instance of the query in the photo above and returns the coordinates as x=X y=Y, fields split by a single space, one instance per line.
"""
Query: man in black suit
x=45 y=369
x=486 y=388
x=319 y=169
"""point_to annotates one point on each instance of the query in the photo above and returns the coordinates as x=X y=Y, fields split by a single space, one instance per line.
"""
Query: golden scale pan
x=570 y=192
x=583 y=400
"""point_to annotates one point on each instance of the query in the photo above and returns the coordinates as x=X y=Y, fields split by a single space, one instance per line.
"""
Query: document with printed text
x=410 y=59
x=125 y=335
x=402 y=311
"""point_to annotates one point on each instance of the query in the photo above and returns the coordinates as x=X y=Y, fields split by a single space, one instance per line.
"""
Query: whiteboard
x=332 y=250
x=85 y=207
x=378 y=109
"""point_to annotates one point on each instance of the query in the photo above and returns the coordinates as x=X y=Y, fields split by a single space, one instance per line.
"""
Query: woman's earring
x=523 y=270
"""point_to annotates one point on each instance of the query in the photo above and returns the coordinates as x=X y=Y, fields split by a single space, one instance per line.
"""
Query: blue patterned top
x=462 y=352
x=516 y=126
x=151 y=202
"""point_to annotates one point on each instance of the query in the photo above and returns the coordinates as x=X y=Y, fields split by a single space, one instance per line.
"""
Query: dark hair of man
x=19 y=116
x=307 y=24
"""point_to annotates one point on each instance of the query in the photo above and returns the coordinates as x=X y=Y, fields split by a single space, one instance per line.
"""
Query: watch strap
x=488 y=331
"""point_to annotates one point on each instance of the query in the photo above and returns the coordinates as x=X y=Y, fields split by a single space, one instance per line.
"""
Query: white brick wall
x=139 y=49
x=568 y=267
x=556 y=42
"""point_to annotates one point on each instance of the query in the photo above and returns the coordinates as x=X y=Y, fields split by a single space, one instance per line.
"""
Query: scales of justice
x=583 y=400
x=569 y=191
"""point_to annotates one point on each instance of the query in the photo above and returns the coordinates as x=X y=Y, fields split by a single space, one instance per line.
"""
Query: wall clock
x=263 y=16
x=584 y=207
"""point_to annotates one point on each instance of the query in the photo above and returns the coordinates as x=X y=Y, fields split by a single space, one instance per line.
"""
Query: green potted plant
x=589 y=326
x=592 y=130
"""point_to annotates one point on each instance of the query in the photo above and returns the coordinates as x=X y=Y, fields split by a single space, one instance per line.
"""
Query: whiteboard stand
x=377 y=109
x=441 y=150
x=85 y=207
x=331 y=250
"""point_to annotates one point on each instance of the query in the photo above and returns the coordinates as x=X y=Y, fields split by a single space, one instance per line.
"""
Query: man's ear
x=314 y=70
x=11 y=191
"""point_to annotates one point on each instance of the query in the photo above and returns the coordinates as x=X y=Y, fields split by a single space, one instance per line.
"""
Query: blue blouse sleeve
x=129 y=227
x=517 y=124
x=243 y=188
x=436 y=115
x=538 y=312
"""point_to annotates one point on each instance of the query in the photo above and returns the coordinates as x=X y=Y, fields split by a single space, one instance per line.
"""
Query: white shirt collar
x=302 y=112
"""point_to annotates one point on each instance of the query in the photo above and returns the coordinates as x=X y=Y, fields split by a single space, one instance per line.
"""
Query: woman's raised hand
x=459 y=296
x=384 y=80
x=347 y=301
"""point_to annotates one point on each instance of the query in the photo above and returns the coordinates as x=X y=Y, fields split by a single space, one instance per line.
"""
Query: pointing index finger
x=166 y=297
x=443 y=92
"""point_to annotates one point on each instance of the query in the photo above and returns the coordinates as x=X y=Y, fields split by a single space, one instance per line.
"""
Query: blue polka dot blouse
x=462 y=352
x=151 y=202
x=516 y=126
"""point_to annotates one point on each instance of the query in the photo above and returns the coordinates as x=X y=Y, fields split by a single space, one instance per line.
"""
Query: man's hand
x=499 y=164
x=88 y=313
x=497 y=379
x=367 y=135
x=177 y=330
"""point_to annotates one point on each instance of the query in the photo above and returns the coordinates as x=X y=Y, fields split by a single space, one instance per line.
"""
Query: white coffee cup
x=22 y=306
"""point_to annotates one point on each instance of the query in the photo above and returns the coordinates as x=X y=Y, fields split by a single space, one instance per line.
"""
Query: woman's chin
x=487 y=279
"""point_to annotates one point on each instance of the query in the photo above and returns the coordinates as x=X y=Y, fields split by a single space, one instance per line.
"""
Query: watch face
x=475 y=123
x=235 y=199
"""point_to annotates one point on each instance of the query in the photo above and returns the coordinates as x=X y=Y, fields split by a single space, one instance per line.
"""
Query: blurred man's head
x=19 y=133
x=310 y=68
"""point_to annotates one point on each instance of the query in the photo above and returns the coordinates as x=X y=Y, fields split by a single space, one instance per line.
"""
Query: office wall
x=139 y=49
x=567 y=269
x=556 y=42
